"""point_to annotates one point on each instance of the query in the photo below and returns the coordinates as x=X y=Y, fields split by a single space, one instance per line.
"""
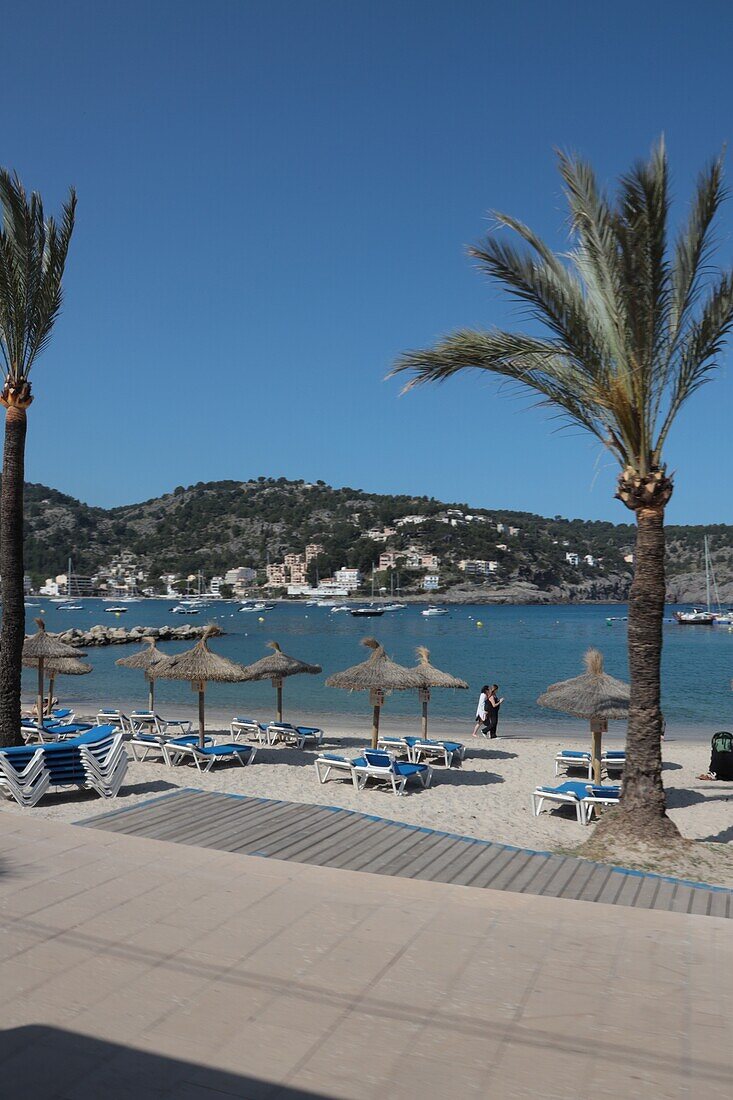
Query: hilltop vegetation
x=214 y=526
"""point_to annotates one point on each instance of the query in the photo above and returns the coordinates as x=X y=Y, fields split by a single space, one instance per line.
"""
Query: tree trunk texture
x=642 y=812
x=12 y=632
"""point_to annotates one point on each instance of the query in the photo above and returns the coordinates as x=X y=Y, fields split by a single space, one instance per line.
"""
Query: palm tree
x=632 y=326
x=33 y=252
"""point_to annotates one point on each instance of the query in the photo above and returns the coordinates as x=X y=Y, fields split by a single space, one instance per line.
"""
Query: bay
x=523 y=649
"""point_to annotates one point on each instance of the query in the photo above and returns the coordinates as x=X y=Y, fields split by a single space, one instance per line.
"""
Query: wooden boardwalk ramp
x=331 y=837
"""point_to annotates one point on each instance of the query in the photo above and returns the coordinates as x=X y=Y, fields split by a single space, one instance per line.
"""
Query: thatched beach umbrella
x=60 y=666
x=377 y=675
x=594 y=695
x=199 y=666
x=276 y=666
x=41 y=647
x=432 y=677
x=144 y=659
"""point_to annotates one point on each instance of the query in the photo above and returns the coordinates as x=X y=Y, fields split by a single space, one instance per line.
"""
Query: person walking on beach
x=493 y=702
x=481 y=711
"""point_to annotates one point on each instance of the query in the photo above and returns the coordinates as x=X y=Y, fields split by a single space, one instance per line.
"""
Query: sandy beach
x=487 y=797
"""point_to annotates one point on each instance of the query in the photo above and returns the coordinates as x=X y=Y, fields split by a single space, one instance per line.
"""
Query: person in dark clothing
x=721 y=757
x=493 y=702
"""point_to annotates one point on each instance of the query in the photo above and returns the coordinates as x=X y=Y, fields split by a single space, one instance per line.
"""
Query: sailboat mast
x=707 y=572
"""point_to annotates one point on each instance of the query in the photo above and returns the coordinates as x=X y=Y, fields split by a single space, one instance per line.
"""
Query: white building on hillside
x=349 y=579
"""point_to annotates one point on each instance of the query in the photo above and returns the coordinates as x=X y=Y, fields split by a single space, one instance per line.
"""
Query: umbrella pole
x=51 y=684
x=202 y=720
x=425 y=718
x=375 y=725
x=279 y=687
x=39 y=704
x=596 y=729
x=151 y=693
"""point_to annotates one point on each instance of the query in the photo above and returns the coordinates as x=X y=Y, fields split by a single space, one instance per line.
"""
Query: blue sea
x=523 y=649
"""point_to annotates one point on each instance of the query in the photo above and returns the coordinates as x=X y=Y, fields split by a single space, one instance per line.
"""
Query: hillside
x=217 y=525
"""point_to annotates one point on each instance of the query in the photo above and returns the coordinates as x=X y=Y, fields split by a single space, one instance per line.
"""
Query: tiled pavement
x=139 y=968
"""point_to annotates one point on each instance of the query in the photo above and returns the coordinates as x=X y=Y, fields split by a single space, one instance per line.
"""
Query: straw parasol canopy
x=199 y=666
x=144 y=659
x=59 y=666
x=594 y=695
x=41 y=647
x=276 y=666
x=432 y=677
x=376 y=675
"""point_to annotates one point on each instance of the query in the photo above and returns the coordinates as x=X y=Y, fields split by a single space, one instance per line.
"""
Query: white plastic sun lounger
x=570 y=759
x=205 y=758
x=294 y=735
x=108 y=716
x=249 y=728
x=583 y=797
x=142 y=721
x=144 y=743
x=329 y=762
x=445 y=751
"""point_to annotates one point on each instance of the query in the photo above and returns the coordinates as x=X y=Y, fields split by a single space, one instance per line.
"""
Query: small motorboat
x=395 y=607
x=69 y=607
x=724 y=618
x=366 y=612
x=429 y=612
x=115 y=610
x=183 y=609
x=344 y=607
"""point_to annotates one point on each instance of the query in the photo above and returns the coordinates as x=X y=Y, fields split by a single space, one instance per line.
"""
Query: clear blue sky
x=274 y=201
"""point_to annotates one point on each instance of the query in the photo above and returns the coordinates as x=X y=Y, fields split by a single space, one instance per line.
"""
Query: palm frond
x=626 y=339
x=33 y=252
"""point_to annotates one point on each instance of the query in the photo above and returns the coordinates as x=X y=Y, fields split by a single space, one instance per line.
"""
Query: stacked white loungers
x=95 y=760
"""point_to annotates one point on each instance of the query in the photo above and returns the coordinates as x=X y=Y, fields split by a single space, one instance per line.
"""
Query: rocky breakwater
x=117 y=635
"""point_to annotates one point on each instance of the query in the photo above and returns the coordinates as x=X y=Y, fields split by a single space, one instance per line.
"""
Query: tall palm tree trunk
x=642 y=811
x=12 y=632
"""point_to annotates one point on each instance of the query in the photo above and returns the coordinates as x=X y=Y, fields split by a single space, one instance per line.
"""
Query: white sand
x=488 y=797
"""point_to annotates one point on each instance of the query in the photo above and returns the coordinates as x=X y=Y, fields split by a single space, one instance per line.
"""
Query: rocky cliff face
x=690 y=588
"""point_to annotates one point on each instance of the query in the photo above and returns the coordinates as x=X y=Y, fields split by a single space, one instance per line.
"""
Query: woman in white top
x=481 y=709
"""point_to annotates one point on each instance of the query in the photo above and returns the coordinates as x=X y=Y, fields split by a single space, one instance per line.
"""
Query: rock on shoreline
x=118 y=635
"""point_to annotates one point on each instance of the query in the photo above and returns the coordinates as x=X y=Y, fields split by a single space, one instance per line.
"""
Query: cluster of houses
x=125 y=576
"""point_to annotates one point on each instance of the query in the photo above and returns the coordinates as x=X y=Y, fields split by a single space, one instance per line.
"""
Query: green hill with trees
x=213 y=526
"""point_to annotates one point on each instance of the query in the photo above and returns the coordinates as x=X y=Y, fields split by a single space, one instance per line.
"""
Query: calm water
x=521 y=648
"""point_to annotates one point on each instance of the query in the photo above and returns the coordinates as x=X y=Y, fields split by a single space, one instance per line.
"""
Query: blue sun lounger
x=382 y=766
x=583 y=797
x=293 y=735
x=177 y=749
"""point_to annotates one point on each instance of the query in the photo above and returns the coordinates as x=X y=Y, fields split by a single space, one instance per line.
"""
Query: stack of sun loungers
x=94 y=760
x=374 y=764
x=26 y=784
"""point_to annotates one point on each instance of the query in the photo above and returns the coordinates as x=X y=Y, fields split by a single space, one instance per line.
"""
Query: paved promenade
x=138 y=968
